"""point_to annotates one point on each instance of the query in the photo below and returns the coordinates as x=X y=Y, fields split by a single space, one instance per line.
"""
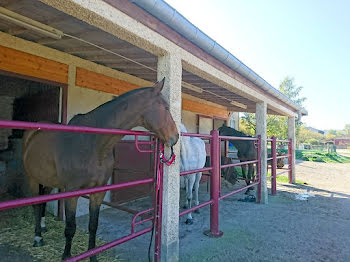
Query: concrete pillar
x=261 y=110
x=169 y=66
x=291 y=135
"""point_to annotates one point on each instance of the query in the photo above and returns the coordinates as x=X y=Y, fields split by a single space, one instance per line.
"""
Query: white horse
x=192 y=157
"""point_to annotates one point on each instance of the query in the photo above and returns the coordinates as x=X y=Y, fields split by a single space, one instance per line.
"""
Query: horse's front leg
x=70 y=210
x=43 y=191
x=246 y=177
x=244 y=173
x=35 y=191
x=196 y=189
x=189 y=195
x=95 y=203
x=187 y=185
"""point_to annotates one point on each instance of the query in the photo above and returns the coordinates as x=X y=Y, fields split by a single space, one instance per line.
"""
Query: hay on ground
x=17 y=230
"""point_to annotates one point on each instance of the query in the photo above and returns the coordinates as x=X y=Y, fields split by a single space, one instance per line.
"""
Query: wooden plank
x=26 y=64
x=203 y=109
x=96 y=81
x=115 y=86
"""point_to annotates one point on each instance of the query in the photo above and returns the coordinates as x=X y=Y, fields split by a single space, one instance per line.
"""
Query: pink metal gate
x=215 y=177
x=274 y=157
x=157 y=180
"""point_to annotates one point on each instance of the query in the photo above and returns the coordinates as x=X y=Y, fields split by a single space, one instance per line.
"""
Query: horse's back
x=193 y=154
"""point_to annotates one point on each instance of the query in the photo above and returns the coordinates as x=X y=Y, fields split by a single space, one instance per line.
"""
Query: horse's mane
x=78 y=117
x=232 y=130
x=127 y=94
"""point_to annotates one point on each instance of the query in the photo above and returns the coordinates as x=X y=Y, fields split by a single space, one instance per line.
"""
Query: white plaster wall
x=205 y=125
x=189 y=119
x=82 y=100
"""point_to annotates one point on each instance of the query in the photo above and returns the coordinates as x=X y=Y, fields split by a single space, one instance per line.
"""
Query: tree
x=247 y=124
x=290 y=90
x=347 y=129
x=276 y=125
x=307 y=136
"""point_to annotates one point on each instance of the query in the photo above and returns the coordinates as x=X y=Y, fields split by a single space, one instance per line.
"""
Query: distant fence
x=320 y=147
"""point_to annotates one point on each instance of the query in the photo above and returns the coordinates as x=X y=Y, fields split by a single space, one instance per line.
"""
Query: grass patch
x=320 y=156
x=17 y=230
x=284 y=179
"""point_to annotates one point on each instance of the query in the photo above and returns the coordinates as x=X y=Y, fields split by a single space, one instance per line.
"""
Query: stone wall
x=6 y=111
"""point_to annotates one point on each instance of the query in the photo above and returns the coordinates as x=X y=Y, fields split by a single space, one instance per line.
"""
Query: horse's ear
x=158 y=86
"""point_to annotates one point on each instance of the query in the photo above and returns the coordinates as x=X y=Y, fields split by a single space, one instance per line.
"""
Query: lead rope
x=169 y=161
x=156 y=195
x=160 y=159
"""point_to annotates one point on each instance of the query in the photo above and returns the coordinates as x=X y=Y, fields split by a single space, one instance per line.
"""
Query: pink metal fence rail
x=196 y=171
x=215 y=177
x=273 y=160
x=158 y=172
x=256 y=178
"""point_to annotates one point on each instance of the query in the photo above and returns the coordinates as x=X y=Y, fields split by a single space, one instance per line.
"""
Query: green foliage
x=321 y=156
x=290 y=90
x=347 y=129
x=309 y=137
x=285 y=179
x=247 y=124
x=276 y=125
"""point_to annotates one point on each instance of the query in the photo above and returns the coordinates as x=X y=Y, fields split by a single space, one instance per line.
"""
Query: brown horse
x=72 y=161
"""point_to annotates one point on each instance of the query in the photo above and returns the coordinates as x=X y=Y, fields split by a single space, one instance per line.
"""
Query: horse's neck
x=117 y=114
x=234 y=132
x=237 y=143
x=113 y=115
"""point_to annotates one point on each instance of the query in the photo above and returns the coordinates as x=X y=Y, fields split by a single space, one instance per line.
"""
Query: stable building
x=61 y=58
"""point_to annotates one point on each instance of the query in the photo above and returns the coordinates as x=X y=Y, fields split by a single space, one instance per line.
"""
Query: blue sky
x=308 y=40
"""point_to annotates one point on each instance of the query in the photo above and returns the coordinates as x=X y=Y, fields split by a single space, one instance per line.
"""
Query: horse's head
x=225 y=130
x=156 y=116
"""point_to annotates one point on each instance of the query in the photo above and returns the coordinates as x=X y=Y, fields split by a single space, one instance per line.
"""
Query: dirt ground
x=302 y=223
x=287 y=229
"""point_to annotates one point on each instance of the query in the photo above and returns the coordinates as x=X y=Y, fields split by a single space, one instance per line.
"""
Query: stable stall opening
x=23 y=100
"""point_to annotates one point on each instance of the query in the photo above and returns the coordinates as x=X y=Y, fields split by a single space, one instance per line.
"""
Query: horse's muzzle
x=173 y=140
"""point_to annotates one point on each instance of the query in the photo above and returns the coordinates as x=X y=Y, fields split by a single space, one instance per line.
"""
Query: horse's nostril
x=173 y=140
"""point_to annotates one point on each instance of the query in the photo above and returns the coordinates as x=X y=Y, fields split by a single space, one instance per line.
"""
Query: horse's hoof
x=185 y=207
x=196 y=211
x=189 y=221
x=43 y=230
x=39 y=243
x=247 y=191
x=93 y=259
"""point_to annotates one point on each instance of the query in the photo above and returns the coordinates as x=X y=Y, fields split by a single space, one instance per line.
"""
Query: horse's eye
x=167 y=108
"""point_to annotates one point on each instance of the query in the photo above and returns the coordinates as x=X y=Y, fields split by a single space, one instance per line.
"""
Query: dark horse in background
x=72 y=161
x=246 y=151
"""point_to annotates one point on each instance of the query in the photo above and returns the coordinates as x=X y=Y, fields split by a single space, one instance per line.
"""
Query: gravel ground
x=286 y=229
